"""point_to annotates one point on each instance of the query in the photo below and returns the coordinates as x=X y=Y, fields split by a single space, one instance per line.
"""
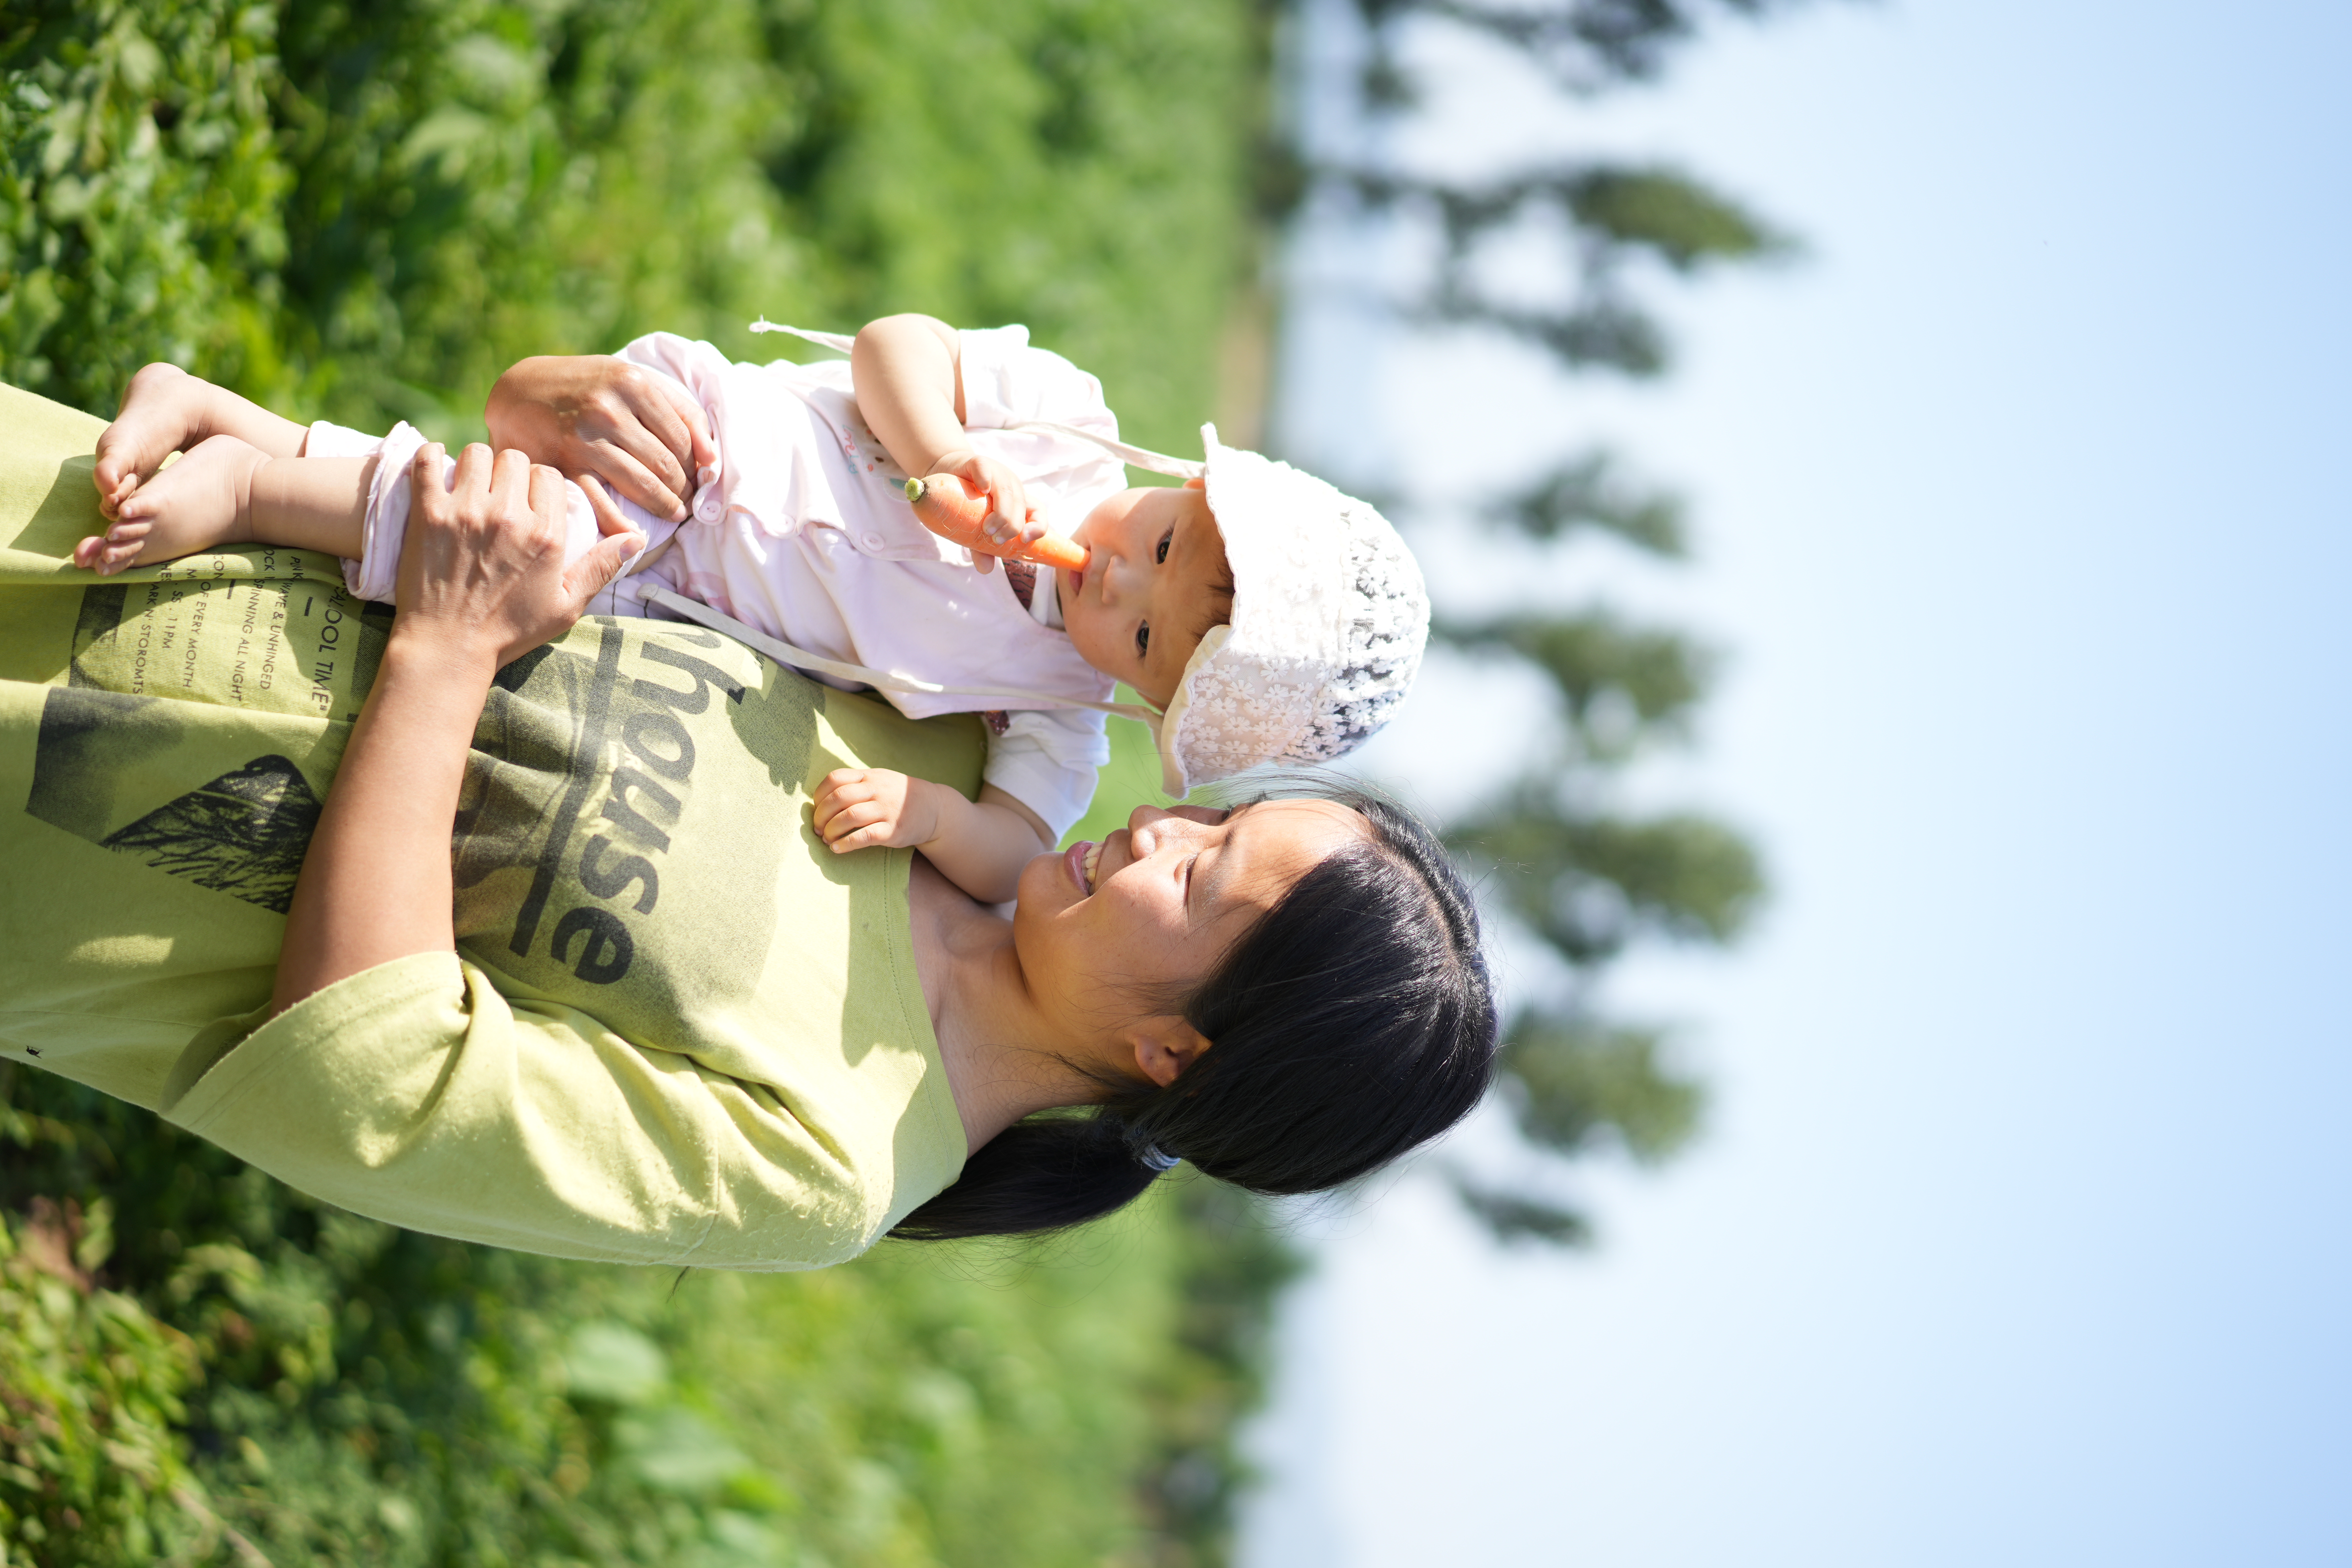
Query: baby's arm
x=909 y=382
x=980 y=846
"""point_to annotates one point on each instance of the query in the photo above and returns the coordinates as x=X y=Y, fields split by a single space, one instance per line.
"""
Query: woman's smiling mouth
x=1081 y=859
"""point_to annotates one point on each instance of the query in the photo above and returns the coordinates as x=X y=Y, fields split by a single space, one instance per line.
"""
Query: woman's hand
x=482 y=574
x=593 y=415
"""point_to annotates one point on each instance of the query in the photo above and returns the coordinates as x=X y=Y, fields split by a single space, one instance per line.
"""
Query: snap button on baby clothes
x=708 y=505
x=872 y=542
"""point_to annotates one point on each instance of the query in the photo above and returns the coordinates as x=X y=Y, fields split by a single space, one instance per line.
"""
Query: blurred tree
x=1565 y=864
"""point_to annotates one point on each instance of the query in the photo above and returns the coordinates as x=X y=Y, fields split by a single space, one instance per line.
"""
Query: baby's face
x=1156 y=581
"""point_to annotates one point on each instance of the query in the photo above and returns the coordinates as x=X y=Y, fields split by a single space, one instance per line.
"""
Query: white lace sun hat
x=1329 y=618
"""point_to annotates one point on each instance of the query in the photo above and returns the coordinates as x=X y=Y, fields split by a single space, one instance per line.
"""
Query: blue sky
x=2021 y=1230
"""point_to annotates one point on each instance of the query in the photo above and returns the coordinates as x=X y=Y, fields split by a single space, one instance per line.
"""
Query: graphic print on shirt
x=587 y=800
x=289 y=640
x=115 y=751
x=241 y=832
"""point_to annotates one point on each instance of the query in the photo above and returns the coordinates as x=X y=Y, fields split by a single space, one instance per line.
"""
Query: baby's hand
x=1008 y=527
x=868 y=808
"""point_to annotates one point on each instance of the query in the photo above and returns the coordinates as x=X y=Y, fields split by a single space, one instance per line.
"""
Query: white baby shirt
x=805 y=533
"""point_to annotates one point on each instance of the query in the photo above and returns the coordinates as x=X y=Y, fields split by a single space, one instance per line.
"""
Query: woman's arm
x=482 y=580
x=910 y=381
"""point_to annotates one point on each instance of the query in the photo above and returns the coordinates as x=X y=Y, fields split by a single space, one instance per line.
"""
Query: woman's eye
x=1143 y=639
x=1161 y=556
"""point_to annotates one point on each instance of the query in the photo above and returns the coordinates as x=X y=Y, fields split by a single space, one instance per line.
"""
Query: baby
x=1264 y=617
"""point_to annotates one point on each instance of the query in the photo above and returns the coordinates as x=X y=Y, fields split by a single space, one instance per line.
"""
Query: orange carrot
x=951 y=508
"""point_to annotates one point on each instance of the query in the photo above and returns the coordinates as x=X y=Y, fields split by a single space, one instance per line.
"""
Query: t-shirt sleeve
x=1006 y=381
x=1047 y=759
x=417 y=1093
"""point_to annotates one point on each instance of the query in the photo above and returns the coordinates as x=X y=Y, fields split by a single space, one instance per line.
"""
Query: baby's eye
x=1143 y=639
x=1161 y=556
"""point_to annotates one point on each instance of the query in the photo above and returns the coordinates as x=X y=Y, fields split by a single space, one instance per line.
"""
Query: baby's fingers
x=835 y=792
x=832 y=785
x=859 y=826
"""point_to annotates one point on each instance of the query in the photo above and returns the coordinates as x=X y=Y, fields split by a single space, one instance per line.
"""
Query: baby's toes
x=87 y=554
x=124 y=541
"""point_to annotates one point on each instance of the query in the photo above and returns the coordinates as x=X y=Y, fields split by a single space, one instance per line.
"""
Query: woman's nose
x=1146 y=826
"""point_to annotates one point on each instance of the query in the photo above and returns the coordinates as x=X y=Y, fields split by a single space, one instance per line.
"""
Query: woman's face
x=1101 y=929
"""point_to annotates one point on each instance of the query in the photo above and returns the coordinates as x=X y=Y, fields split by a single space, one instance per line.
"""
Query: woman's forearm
x=375 y=885
x=483 y=580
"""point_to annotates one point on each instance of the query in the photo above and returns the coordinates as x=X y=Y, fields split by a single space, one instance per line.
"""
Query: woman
x=634 y=1012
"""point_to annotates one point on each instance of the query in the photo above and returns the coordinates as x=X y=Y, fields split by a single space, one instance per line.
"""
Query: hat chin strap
x=785 y=653
x=1141 y=456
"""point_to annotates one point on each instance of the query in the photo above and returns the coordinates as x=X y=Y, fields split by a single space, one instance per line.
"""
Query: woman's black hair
x=1354 y=1022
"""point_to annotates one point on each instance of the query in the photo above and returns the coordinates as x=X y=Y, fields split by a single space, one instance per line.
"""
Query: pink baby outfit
x=804 y=534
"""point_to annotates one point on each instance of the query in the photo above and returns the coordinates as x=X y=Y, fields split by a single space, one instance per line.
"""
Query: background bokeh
x=2018 y=1231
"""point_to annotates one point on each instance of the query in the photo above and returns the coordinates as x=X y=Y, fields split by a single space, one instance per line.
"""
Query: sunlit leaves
x=140 y=184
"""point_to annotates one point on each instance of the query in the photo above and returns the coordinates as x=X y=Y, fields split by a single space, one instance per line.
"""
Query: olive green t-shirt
x=676 y=1030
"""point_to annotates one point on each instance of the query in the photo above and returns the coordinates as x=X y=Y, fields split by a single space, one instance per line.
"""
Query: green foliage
x=140 y=192
x=1590 y=883
x=367 y=211
x=1582 y=44
x=1664 y=213
x=91 y=1390
x=1615 y=214
x=1622 y=686
x=1518 y=1217
x=364 y=212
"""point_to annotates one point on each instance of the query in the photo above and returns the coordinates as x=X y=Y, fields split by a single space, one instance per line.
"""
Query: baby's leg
x=225 y=492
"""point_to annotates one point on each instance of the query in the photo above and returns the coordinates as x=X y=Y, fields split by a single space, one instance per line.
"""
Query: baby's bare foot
x=163 y=410
x=204 y=499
